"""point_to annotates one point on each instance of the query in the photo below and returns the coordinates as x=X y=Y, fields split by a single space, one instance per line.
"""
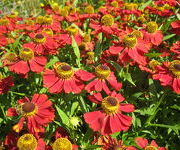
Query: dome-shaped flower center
x=4 y=21
x=137 y=34
x=27 y=142
x=107 y=20
x=10 y=56
x=64 y=70
x=39 y=38
x=117 y=147
x=114 y=4
x=87 y=37
x=83 y=46
x=110 y=105
x=89 y=9
x=26 y=54
x=48 y=31
x=130 y=41
x=102 y=71
x=55 y=6
x=48 y=20
x=40 y=19
x=29 y=109
x=152 y=27
x=130 y=6
x=174 y=67
x=153 y=63
x=62 y=144
x=64 y=12
x=150 y=148
x=72 y=30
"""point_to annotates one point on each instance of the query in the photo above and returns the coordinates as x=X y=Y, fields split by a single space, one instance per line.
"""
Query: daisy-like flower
x=110 y=118
x=25 y=142
x=130 y=48
x=143 y=144
x=26 y=61
x=6 y=25
x=42 y=44
x=47 y=21
x=37 y=113
x=5 y=83
x=169 y=75
x=176 y=48
x=109 y=143
x=106 y=25
x=102 y=77
x=153 y=35
x=63 y=78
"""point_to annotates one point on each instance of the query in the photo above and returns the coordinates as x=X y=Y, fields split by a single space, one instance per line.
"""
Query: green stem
x=156 y=109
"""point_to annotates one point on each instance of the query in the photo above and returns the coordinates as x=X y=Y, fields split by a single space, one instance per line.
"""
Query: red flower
x=110 y=119
x=63 y=79
x=169 y=75
x=100 y=78
x=106 y=25
x=176 y=27
x=143 y=143
x=6 y=25
x=176 y=48
x=109 y=143
x=5 y=83
x=36 y=113
x=42 y=44
x=3 y=40
x=26 y=61
x=132 y=47
x=153 y=35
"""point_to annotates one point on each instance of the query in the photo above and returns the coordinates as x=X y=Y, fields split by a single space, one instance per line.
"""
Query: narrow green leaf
x=63 y=116
x=145 y=5
x=52 y=61
x=150 y=55
x=76 y=51
x=128 y=77
x=74 y=107
x=168 y=37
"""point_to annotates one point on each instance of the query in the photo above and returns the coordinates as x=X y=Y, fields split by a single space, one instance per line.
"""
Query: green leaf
x=128 y=77
x=145 y=5
x=74 y=107
x=82 y=104
x=52 y=61
x=168 y=37
x=175 y=107
x=150 y=55
x=76 y=51
x=63 y=116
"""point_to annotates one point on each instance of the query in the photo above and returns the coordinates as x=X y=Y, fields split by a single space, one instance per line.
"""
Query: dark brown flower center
x=112 y=101
x=28 y=107
x=39 y=36
x=177 y=66
x=66 y=67
x=103 y=67
x=26 y=50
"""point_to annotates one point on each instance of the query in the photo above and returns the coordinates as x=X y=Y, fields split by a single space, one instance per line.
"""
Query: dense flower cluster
x=78 y=55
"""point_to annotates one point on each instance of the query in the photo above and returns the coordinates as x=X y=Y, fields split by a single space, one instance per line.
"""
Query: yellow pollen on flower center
x=152 y=27
x=150 y=148
x=72 y=30
x=64 y=70
x=114 y=4
x=107 y=20
x=130 y=40
x=137 y=34
x=39 y=38
x=110 y=105
x=87 y=37
x=130 y=6
x=174 y=67
x=4 y=21
x=26 y=54
x=29 y=109
x=10 y=56
x=64 y=12
x=89 y=9
x=153 y=63
x=40 y=19
x=48 y=20
x=102 y=71
x=48 y=31
x=62 y=144
x=27 y=142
